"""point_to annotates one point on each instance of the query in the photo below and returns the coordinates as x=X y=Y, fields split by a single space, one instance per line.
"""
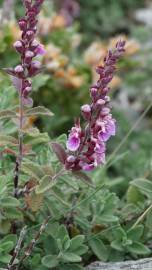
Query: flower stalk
x=86 y=146
x=28 y=48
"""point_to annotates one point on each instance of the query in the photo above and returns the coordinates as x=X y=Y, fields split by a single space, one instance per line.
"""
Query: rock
x=143 y=264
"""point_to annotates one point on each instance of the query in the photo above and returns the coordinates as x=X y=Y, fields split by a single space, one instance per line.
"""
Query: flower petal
x=73 y=143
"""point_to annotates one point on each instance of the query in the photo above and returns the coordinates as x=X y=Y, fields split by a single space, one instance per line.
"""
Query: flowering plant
x=49 y=222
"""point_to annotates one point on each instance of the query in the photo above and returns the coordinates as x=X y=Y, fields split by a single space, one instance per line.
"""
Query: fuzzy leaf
x=7 y=246
x=50 y=261
x=59 y=151
x=7 y=114
x=138 y=248
x=45 y=184
x=32 y=170
x=36 y=138
x=135 y=233
x=13 y=213
x=34 y=201
x=99 y=249
x=7 y=140
x=76 y=242
x=144 y=185
x=39 y=111
x=71 y=257
x=9 y=71
x=5 y=258
x=134 y=195
x=9 y=202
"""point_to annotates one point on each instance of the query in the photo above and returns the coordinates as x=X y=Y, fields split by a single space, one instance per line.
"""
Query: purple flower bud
x=22 y=24
x=93 y=93
x=27 y=3
x=26 y=91
x=71 y=159
x=30 y=35
x=107 y=99
x=34 y=44
x=19 y=69
x=86 y=111
x=34 y=68
x=100 y=102
x=28 y=57
x=18 y=45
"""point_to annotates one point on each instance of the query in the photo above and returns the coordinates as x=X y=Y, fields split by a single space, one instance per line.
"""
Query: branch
x=31 y=245
x=17 y=249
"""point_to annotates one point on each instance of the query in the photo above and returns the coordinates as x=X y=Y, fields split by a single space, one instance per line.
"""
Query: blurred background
x=76 y=35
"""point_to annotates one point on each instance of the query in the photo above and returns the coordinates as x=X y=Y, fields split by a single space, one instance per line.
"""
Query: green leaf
x=138 y=248
x=13 y=213
x=134 y=195
x=7 y=140
x=80 y=250
x=40 y=110
x=36 y=138
x=99 y=249
x=10 y=237
x=45 y=184
x=144 y=185
x=5 y=226
x=7 y=114
x=50 y=261
x=9 y=202
x=108 y=218
x=116 y=244
x=71 y=257
x=119 y=233
x=62 y=232
x=7 y=246
x=76 y=242
x=50 y=245
x=66 y=242
x=3 y=186
x=32 y=169
x=5 y=258
x=135 y=233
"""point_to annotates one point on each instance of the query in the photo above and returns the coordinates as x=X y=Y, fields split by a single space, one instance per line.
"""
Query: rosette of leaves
x=63 y=252
x=130 y=241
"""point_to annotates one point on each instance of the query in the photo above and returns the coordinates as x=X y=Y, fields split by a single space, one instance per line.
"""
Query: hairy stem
x=20 y=140
x=31 y=245
x=17 y=249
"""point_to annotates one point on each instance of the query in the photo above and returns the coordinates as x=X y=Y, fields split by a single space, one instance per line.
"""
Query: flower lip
x=73 y=142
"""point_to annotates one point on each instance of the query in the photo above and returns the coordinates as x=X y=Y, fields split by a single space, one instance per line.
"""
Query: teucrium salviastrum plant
x=46 y=212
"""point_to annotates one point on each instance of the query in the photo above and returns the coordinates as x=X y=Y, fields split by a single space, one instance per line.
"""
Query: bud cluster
x=28 y=48
x=87 y=146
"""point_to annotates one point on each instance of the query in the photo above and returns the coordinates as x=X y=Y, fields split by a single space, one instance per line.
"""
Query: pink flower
x=110 y=130
x=88 y=144
x=74 y=140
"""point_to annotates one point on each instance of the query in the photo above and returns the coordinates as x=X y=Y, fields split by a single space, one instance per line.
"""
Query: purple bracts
x=28 y=48
x=86 y=147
